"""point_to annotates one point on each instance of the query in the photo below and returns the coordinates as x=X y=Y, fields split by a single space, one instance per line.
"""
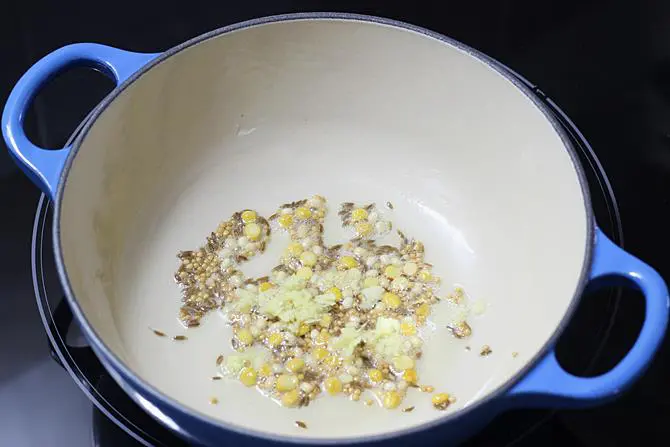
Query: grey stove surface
x=40 y=404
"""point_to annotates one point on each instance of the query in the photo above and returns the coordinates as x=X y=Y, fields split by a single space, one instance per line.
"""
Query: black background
x=605 y=63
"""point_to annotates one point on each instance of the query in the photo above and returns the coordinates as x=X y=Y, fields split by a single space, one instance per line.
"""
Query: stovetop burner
x=583 y=348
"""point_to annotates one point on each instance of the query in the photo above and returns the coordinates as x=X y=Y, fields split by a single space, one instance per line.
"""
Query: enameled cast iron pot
x=353 y=108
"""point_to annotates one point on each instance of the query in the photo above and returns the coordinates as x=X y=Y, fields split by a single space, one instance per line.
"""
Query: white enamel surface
x=352 y=111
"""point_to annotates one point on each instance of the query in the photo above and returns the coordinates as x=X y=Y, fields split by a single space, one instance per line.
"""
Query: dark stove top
x=606 y=63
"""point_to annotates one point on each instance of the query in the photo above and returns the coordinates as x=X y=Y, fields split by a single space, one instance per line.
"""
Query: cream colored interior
x=353 y=111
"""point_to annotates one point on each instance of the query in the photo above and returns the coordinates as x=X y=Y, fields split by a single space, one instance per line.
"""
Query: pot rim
x=137 y=382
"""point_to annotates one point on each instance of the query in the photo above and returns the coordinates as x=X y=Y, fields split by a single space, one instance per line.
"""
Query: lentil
x=441 y=401
x=486 y=350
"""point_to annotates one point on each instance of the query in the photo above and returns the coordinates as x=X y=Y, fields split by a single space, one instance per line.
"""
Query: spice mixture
x=326 y=320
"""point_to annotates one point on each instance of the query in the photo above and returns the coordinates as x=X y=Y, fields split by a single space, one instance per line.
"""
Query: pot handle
x=44 y=166
x=549 y=385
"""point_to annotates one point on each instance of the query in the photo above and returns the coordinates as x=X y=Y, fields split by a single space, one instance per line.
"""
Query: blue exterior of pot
x=542 y=383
